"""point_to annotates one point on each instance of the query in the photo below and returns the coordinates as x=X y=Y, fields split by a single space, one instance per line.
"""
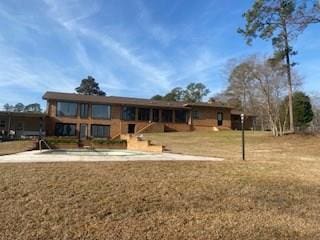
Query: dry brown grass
x=161 y=200
x=272 y=198
x=15 y=147
x=227 y=144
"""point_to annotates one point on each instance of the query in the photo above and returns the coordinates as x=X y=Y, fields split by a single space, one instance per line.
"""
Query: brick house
x=21 y=124
x=70 y=114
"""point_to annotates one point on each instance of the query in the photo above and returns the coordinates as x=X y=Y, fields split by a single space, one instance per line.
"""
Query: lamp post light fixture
x=243 y=144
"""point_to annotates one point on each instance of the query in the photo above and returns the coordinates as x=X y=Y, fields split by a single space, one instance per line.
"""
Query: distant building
x=21 y=124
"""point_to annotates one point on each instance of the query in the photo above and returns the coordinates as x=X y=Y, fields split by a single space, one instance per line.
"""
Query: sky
x=135 y=48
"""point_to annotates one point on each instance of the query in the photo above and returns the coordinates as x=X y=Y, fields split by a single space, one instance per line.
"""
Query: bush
x=61 y=140
x=107 y=141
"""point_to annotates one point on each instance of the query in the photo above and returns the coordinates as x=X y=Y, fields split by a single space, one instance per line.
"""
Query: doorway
x=131 y=128
x=83 y=131
x=220 y=118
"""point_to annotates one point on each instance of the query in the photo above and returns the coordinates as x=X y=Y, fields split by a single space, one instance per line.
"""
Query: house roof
x=237 y=112
x=22 y=114
x=125 y=100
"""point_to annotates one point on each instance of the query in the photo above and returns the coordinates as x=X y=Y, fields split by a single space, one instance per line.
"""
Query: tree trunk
x=288 y=68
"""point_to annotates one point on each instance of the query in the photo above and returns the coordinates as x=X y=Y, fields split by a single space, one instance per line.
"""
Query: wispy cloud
x=157 y=31
x=148 y=72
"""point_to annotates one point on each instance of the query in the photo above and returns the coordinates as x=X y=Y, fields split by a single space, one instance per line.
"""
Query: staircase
x=138 y=144
x=151 y=127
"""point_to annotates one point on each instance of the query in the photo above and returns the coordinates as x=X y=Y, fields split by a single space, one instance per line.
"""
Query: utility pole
x=243 y=143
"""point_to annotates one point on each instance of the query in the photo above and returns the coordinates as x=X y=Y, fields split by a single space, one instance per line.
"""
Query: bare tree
x=258 y=85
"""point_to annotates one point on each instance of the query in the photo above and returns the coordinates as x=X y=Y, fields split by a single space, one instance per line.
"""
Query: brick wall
x=207 y=120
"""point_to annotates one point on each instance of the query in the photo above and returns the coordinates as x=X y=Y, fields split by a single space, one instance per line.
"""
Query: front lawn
x=273 y=195
x=161 y=200
x=15 y=146
x=227 y=144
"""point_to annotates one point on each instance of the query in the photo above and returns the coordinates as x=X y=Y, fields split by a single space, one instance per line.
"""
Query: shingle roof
x=124 y=100
x=237 y=112
x=22 y=114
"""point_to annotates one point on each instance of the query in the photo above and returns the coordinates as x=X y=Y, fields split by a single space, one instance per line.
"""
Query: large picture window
x=84 y=110
x=100 y=111
x=100 y=131
x=167 y=116
x=181 y=116
x=66 y=109
x=63 y=129
x=129 y=113
x=143 y=114
x=2 y=123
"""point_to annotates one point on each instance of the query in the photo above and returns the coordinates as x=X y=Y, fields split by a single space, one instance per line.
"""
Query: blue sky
x=133 y=48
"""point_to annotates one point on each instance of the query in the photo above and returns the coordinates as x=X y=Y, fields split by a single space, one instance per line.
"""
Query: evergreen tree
x=89 y=86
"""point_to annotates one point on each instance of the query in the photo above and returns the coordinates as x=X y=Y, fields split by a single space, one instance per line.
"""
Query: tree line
x=194 y=92
x=258 y=85
x=280 y=21
x=20 y=107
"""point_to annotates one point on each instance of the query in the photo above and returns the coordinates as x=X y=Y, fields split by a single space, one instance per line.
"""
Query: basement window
x=2 y=123
x=100 y=131
x=63 y=129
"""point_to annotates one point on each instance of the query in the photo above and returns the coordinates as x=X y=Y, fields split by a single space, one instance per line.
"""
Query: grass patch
x=227 y=144
x=161 y=200
x=12 y=147
x=274 y=195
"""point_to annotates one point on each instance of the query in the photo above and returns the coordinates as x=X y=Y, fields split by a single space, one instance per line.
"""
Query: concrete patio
x=123 y=155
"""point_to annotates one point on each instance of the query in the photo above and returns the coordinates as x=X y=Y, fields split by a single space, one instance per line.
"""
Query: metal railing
x=45 y=143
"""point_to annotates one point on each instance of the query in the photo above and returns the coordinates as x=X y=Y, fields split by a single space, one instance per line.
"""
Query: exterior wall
x=114 y=122
x=208 y=118
x=22 y=125
x=236 y=122
x=179 y=127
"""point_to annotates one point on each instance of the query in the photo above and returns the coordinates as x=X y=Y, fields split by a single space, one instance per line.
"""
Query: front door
x=131 y=128
x=220 y=118
x=83 y=131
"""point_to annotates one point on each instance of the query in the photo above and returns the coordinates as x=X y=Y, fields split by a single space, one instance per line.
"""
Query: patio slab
x=45 y=156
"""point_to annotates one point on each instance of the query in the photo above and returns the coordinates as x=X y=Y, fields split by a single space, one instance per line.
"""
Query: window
x=181 y=116
x=129 y=113
x=220 y=118
x=2 y=123
x=100 y=131
x=84 y=110
x=63 y=129
x=195 y=114
x=155 y=115
x=167 y=115
x=101 y=111
x=143 y=114
x=66 y=109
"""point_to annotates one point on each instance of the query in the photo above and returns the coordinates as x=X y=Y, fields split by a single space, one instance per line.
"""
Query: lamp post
x=242 y=128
